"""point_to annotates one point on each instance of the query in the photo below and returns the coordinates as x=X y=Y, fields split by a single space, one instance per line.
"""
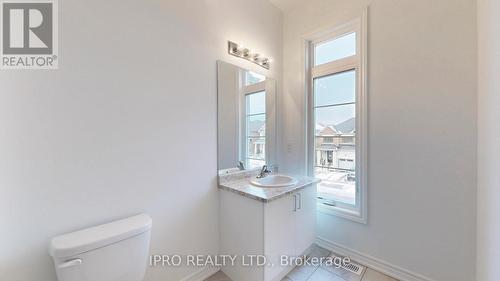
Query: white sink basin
x=274 y=181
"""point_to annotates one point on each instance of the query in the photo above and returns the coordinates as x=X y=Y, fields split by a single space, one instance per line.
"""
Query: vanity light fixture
x=245 y=53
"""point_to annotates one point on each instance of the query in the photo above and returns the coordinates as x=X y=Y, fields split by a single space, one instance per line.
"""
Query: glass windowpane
x=256 y=148
x=256 y=125
x=335 y=153
x=335 y=49
x=335 y=89
x=255 y=129
x=256 y=103
x=338 y=118
x=253 y=78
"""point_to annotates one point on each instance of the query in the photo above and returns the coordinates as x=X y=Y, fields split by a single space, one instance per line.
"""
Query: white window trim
x=358 y=62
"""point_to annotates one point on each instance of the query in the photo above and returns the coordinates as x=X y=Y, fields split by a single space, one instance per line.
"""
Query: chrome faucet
x=241 y=166
x=263 y=172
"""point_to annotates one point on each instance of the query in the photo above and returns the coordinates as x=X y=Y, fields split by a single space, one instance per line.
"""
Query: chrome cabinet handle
x=300 y=201
x=295 y=203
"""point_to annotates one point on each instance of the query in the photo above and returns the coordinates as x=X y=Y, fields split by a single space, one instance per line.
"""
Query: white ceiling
x=286 y=5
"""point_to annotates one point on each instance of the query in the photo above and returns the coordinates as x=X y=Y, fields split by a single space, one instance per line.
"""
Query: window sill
x=352 y=215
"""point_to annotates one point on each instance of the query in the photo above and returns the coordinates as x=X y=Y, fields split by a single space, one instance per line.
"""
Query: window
x=337 y=150
x=335 y=115
x=255 y=119
x=328 y=140
x=253 y=78
x=339 y=48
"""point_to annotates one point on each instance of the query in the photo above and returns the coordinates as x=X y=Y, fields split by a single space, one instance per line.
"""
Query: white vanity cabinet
x=280 y=227
x=305 y=219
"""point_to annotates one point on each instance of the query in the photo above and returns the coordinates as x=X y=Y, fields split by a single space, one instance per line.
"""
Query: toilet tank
x=115 y=251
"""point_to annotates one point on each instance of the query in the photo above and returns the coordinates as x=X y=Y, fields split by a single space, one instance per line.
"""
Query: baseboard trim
x=374 y=263
x=201 y=274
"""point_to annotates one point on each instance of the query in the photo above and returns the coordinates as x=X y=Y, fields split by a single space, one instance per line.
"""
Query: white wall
x=422 y=124
x=488 y=216
x=126 y=125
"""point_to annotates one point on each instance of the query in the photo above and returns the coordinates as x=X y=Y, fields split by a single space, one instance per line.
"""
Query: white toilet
x=116 y=251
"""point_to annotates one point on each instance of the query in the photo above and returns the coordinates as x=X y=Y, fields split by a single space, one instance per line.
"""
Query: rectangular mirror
x=246 y=113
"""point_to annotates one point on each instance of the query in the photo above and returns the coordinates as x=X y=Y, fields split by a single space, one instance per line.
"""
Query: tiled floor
x=321 y=273
x=219 y=276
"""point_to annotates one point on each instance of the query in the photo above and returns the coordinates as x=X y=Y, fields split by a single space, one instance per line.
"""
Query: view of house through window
x=334 y=113
x=255 y=129
x=335 y=133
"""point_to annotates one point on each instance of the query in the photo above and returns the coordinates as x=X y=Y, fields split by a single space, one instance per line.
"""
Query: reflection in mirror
x=246 y=118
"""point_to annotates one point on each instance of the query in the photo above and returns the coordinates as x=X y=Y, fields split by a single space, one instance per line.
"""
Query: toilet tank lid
x=88 y=239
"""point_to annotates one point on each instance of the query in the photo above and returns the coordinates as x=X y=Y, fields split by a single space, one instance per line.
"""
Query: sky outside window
x=342 y=47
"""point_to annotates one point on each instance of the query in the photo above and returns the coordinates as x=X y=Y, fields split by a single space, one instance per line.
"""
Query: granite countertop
x=243 y=187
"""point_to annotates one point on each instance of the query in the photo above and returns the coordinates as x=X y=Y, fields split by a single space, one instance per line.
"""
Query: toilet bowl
x=115 y=251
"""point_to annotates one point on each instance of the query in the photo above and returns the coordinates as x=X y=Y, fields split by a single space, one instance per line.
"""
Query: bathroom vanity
x=261 y=218
x=270 y=222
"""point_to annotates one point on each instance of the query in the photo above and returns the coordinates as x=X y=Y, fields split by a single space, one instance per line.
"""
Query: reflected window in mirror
x=253 y=78
x=255 y=134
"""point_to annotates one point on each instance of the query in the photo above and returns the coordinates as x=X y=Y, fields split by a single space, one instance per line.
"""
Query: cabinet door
x=279 y=233
x=305 y=219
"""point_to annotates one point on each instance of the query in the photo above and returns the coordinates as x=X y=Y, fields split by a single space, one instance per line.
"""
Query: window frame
x=358 y=62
